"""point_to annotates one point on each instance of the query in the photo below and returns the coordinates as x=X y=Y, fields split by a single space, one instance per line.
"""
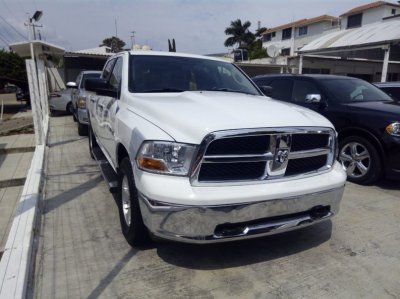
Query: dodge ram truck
x=197 y=154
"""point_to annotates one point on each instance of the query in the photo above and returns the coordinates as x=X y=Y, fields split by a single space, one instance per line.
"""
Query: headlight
x=393 y=129
x=81 y=102
x=165 y=157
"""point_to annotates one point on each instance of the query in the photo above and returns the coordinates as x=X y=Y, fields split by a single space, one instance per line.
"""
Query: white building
x=288 y=38
x=369 y=13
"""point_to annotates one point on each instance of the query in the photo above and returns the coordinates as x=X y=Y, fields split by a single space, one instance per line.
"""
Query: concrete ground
x=16 y=151
x=82 y=253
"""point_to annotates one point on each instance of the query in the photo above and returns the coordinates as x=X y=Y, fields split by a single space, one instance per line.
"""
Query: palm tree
x=240 y=34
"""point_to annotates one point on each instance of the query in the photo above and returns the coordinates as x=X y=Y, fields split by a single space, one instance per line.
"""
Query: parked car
x=11 y=88
x=197 y=154
x=391 y=88
x=366 y=118
x=78 y=98
x=60 y=101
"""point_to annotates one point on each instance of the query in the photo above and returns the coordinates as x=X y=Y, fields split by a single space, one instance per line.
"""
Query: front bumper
x=209 y=224
x=83 y=116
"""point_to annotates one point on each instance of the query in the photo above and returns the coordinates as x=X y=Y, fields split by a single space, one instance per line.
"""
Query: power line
x=8 y=8
x=4 y=40
x=20 y=34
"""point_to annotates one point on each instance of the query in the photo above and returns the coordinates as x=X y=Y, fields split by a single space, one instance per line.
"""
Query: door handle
x=92 y=100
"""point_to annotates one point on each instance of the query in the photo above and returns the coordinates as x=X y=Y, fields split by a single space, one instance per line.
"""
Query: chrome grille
x=263 y=154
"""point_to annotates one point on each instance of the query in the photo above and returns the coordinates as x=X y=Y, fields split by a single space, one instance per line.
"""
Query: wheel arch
x=121 y=152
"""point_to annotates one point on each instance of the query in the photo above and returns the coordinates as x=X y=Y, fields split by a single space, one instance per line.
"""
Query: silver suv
x=78 y=99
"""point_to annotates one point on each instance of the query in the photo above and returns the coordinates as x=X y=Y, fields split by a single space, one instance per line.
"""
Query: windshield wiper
x=231 y=90
x=164 y=90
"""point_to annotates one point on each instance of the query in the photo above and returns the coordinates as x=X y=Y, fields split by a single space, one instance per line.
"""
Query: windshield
x=176 y=74
x=354 y=90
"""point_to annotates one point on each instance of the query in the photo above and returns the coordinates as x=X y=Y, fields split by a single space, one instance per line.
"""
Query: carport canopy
x=373 y=42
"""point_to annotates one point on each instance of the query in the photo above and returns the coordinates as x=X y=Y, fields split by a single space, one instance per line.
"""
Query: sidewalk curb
x=16 y=260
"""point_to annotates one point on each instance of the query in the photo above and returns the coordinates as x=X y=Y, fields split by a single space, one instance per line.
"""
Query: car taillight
x=81 y=102
x=55 y=95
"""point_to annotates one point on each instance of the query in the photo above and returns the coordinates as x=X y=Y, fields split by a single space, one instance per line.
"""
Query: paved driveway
x=82 y=253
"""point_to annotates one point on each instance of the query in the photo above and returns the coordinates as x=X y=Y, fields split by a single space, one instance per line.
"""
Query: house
x=288 y=38
x=369 y=13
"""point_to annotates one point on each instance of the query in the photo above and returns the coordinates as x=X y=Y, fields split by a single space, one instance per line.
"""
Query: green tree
x=116 y=44
x=239 y=34
x=256 y=50
x=12 y=66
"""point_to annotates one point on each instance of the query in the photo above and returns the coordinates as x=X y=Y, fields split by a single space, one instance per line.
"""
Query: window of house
x=285 y=52
x=354 y=20
x=303 y=30
x=287 y=33
x=393 y=11
x=267 y=37
x=273 y=34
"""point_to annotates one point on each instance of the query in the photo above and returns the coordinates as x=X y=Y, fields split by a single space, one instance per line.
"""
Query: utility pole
x=132 y=39
x=32 y=32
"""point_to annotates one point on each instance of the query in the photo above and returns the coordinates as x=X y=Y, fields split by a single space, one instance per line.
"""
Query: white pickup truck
x=197 y=154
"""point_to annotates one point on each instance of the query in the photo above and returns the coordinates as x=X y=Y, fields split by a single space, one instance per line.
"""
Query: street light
x=37 y=15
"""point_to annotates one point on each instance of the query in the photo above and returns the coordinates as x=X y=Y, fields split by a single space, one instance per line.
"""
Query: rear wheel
x=360 y=159
x=132 y=225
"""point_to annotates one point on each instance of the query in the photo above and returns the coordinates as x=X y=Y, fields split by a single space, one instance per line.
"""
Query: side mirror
x=267 y=90
x=313 y=99
x=71 y=85
x=100 y=87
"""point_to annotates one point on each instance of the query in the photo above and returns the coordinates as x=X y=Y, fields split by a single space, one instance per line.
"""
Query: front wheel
x=92 y=142
x=82 y=129
x=70 y=108
x=360 y=159
x=132 y=225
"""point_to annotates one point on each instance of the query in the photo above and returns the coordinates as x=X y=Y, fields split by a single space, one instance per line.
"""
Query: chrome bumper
x=83 y=116
x=209 y=224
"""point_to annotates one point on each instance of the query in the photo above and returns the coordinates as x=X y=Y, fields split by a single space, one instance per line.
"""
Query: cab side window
x=116 y=75
x=107 y=69
x=302 y=88
x=281 y=89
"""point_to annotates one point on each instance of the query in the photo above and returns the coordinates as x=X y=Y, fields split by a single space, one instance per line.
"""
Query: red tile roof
x=368 y=6
x=302 y=22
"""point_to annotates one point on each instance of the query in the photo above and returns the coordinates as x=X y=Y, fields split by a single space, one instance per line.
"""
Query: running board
x=107 y=171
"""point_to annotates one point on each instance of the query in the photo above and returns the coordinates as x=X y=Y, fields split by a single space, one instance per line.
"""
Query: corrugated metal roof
x=103 y=50
x=377 y=33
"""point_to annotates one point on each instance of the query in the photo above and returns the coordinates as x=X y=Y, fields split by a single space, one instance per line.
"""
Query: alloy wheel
x=356 y=159
x=126 y=201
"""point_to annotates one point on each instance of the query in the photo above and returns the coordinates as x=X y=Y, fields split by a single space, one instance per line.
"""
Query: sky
x=197 y=25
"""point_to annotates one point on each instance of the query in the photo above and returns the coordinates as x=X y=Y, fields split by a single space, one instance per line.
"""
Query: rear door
x=111 y=108
x=97 y=106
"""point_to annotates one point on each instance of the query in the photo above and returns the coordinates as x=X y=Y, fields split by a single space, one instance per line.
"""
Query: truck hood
x=189 y=116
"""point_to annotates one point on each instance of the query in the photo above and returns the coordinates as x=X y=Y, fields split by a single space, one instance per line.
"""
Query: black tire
x=361 y=160
x=70 y=108
x=82 y=129
x=130 y=216
x=92 y=142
